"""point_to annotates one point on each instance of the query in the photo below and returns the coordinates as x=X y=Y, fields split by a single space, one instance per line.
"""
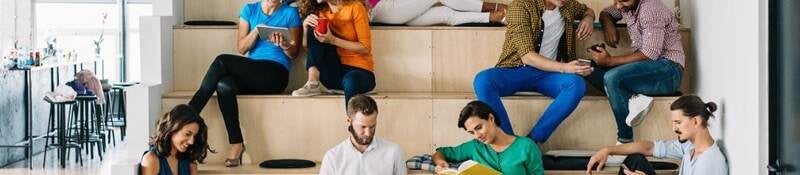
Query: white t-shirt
x=380 y=157
x=553 y=29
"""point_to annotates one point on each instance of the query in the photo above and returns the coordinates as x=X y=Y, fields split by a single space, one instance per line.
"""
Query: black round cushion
x=287 y=163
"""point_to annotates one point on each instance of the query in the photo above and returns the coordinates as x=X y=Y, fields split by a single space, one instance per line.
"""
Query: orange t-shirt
x=351 y=23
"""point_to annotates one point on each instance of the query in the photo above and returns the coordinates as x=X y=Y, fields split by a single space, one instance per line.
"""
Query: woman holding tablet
x=264 y=69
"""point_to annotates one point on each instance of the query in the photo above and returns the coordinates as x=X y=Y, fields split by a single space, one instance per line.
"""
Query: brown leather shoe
x=493 y=7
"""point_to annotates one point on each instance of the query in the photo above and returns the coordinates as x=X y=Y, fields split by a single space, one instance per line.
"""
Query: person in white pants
x=423 y=12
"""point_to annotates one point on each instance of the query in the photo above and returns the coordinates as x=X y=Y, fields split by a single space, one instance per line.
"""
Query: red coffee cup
x=322 y=26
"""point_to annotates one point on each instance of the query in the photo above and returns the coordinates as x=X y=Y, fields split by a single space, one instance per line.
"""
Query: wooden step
x=281 y=126
x=407 y=59
x=253 y=169
x=229 y=10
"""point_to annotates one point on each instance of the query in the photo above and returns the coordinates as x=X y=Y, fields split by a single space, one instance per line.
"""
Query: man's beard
x=679 y=137
x=366 y=140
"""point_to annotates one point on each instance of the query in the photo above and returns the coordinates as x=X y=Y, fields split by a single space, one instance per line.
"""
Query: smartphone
x=584 y=62
x=597 y=47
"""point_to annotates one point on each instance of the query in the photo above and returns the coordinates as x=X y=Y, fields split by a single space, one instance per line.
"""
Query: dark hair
x=361 y=103
x=172 y=122
x=693 y=106
x=476 y=109
x=308 y=7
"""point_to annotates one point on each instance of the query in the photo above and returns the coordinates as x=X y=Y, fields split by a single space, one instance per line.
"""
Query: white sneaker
x=638 y=106
x=311 y=88
x=336 y=91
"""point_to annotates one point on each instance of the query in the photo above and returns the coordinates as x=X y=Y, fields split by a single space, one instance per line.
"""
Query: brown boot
x=493 y=7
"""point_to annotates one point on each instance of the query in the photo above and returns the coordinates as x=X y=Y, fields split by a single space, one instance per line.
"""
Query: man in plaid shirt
x=654 y=67
x=539 y=55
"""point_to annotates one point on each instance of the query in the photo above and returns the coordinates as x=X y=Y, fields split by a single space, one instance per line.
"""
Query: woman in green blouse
x=491 y=147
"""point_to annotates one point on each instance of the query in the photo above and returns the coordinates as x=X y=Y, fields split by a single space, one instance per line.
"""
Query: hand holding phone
x=597 y=47
x=584 y=62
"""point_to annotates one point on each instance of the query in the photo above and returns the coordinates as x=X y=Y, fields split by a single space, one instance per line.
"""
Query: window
x=78 y=24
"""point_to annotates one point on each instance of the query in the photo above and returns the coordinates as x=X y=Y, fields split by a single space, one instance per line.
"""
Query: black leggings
x=230 y=75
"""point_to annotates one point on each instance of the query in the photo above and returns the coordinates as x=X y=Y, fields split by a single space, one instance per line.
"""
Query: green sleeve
x=534 y=161
x=459 y=153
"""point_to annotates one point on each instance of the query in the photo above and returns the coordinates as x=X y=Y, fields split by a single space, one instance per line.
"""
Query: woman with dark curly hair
x=339 y=58
x=179 y=143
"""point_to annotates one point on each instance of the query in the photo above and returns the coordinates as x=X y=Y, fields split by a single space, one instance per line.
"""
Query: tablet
x=264 y=32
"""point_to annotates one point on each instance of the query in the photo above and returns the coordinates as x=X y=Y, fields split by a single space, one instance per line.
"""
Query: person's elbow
x=241 y=50
x=647 y=147
x=292 y=53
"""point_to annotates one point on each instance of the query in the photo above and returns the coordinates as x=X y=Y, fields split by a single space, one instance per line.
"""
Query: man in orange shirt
x=340 y=58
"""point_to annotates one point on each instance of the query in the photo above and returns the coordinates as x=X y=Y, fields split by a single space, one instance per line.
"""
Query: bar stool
x=105 y=108
x=58 y=117
x=117 y=110
x=87 y=128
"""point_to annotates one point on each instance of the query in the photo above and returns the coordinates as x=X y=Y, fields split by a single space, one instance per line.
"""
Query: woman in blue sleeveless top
x=178 y=144
x=263 y=70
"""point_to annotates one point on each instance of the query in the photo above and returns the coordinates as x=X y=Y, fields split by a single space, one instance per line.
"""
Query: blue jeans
x=332 y=73
x=648 y=77
x=566 y=89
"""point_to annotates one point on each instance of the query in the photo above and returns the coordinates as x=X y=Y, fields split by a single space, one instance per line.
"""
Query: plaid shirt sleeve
x=520 y=28
x=615 y=13
x=580 y=9
x=425 y=162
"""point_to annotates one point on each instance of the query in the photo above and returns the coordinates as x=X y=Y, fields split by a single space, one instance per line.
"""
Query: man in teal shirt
x=491 y=147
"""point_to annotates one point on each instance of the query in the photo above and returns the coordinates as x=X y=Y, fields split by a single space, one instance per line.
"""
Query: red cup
x=322 y=26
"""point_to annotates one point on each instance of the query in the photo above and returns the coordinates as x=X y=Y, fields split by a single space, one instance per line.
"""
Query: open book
x=470 y=167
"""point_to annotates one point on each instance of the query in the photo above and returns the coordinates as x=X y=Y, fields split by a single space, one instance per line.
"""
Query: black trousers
x=638 y=162
x=230 y=75
x=332 y=73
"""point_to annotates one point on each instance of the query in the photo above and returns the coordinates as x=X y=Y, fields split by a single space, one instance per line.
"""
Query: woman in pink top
x=423 y=12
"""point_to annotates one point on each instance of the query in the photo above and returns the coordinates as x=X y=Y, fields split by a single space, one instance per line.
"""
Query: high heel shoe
x=235 y=162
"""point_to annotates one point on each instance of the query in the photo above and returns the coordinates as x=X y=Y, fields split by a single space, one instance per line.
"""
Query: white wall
x=7 y=11
x=731 y=66
x=16 y=23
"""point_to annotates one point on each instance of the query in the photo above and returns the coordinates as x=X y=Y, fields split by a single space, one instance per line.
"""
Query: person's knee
x=226 y=86
x=612 y=78
x=632 y=158
x=574 y=84
x=483 y=81
x=222 y=57
x=356 y=82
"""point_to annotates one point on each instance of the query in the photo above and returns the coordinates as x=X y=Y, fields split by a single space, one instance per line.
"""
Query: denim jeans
x=648 y=77
x=566 y=90
x=332 y=73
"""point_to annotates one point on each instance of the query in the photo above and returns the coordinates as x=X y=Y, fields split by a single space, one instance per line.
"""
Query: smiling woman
x=491 y=146
x=179 y=143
